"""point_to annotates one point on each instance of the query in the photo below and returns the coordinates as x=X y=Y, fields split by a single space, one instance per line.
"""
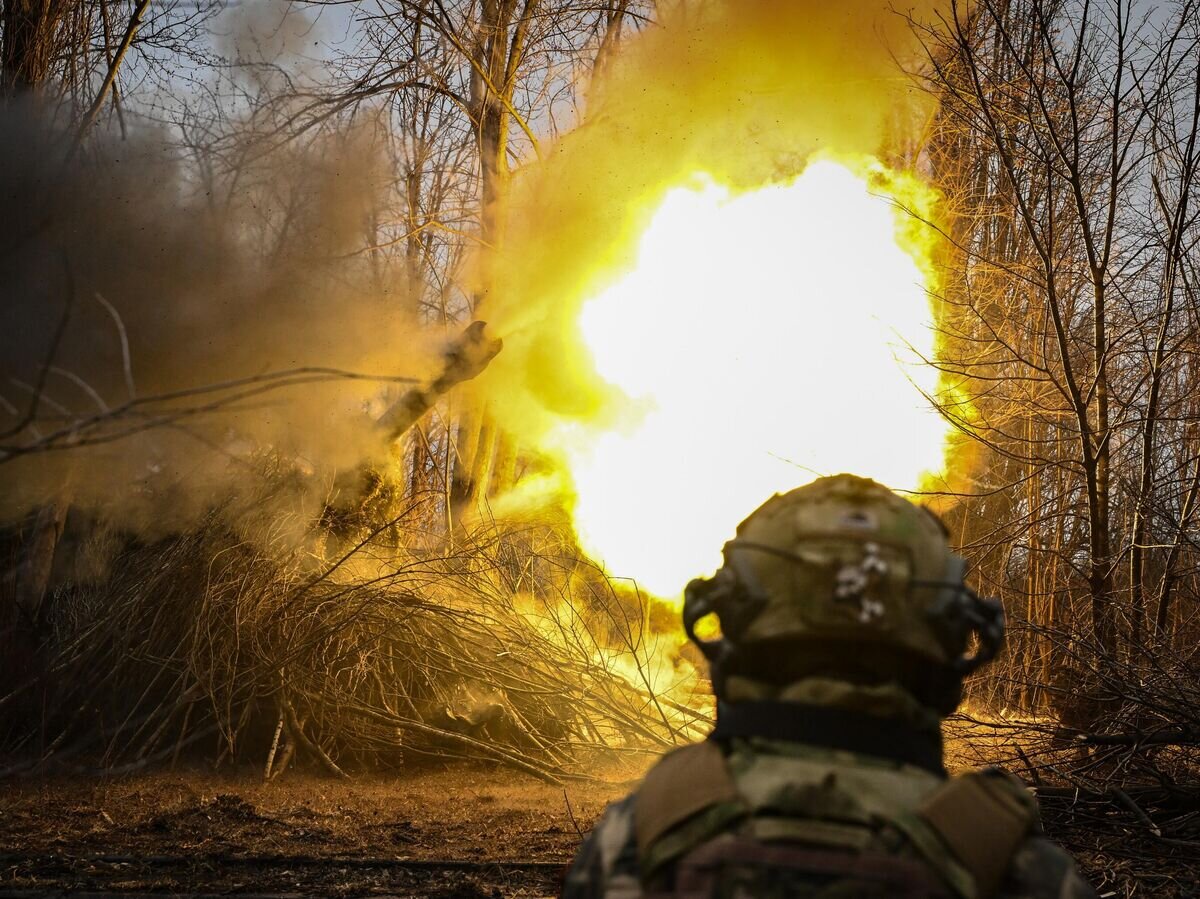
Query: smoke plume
x=744 y=92
x=125 y=273
x=741 y=93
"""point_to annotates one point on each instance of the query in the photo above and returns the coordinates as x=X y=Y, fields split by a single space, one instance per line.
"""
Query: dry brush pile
x=497 y=643
x=1111 y=750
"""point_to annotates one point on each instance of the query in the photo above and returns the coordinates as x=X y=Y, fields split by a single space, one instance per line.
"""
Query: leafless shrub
x=501 y=645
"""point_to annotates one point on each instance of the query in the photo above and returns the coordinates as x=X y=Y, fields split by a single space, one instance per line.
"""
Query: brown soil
x=461 y=832
x=507 y=834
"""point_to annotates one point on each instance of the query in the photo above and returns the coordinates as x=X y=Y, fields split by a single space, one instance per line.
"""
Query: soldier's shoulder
x=983 y=810
x=608 y=863
x=1042 y=870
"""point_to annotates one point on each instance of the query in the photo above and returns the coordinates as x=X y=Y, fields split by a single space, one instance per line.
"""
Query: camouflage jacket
x=823 y=805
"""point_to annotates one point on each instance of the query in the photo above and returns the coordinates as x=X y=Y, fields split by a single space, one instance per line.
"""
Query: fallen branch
x=296 y=732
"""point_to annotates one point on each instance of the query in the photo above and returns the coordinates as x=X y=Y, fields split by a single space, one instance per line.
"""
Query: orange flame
x=762 y=339
x=689 y=324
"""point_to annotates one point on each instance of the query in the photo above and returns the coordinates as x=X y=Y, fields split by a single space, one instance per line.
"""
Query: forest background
x=268 y=496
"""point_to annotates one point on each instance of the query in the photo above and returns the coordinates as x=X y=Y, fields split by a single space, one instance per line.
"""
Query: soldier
x=840 y=642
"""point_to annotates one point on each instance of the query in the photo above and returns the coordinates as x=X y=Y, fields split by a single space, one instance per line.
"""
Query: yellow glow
x=760 y=341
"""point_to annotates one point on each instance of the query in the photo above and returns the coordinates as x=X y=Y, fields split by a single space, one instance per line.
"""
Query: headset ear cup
x=725 y=596
x=701 y=598
x=985 y=618
x=713 y=596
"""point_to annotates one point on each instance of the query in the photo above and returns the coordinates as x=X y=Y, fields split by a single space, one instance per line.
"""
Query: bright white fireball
x=762 y=340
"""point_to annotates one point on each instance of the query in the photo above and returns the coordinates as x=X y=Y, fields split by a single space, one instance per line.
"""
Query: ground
x=461 y=832
x=469 y=831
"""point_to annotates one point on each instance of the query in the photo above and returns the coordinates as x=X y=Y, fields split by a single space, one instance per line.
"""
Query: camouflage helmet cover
x=844 y=560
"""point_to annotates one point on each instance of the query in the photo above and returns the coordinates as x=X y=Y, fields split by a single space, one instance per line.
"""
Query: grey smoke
x=166 y=281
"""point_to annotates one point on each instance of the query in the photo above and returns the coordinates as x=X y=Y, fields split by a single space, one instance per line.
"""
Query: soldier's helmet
x=844 y=578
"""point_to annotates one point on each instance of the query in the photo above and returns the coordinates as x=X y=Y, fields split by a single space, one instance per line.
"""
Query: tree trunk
x=496 y=59
x=26 y=44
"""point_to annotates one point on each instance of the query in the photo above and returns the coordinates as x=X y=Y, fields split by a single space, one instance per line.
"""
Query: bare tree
x=1066 y=144
x=472 y=89
x=74 y=50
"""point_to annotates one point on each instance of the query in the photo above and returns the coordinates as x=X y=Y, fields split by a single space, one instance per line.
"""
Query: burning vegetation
x=274 y=495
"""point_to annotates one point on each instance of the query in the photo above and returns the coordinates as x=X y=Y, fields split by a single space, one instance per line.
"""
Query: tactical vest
x=771 y=819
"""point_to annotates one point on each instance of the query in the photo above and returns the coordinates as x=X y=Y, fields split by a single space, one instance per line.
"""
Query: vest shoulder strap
x=682 y=784
x=982 y=817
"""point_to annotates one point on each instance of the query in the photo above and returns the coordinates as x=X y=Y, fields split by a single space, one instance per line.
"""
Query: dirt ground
x=469 y=831
x=460 y=832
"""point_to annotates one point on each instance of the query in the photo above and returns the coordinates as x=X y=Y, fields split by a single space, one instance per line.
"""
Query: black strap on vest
x=831 y=728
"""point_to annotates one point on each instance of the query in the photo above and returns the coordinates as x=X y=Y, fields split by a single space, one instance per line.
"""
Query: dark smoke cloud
x=206 y=281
